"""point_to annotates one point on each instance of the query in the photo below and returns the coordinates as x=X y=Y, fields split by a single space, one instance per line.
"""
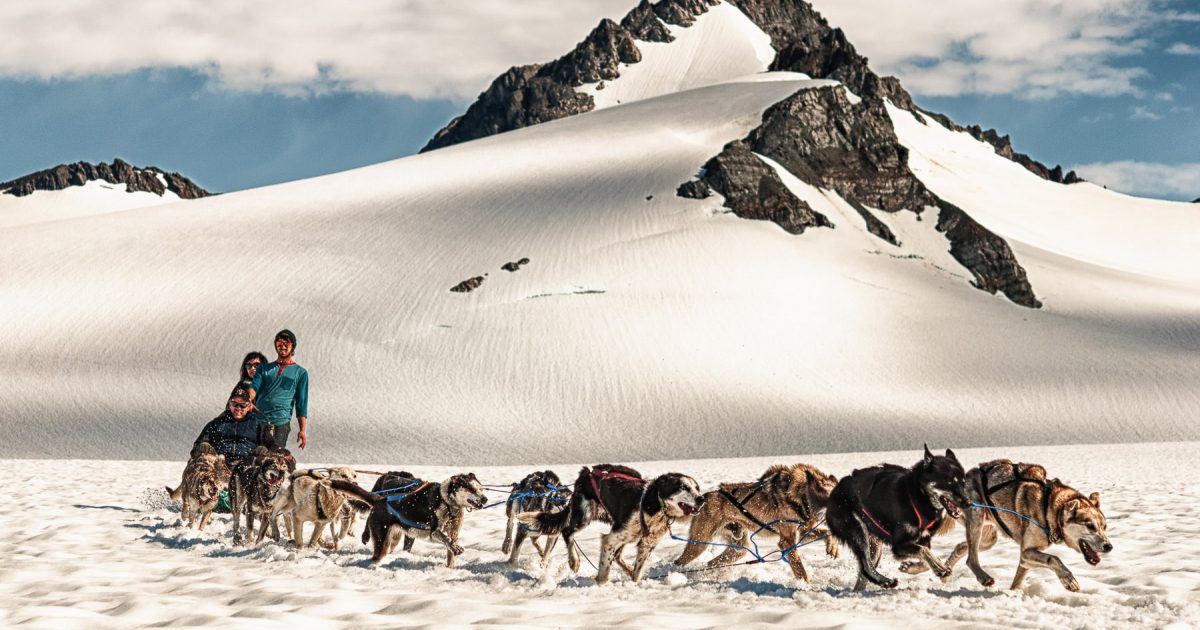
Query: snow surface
x=721 y=44
x=94 y=197
x=115 y=555
x=646 y=326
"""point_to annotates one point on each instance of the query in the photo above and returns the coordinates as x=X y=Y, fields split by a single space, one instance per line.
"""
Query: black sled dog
x=903 y=507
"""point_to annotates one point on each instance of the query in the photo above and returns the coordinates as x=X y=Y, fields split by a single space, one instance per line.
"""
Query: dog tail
x=945 y=527
x=355 y=492
x=546 y=522
x=175 y=494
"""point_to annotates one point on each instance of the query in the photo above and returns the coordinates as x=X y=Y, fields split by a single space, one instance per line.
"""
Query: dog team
x=903 y=508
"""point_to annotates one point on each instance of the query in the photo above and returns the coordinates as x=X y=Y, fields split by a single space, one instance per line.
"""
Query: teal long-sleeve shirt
x=280 y=388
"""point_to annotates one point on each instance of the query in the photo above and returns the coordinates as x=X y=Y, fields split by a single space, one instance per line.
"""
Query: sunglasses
x=242 y=405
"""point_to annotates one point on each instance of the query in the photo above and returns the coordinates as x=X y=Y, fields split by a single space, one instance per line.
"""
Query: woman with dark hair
x=250 y=367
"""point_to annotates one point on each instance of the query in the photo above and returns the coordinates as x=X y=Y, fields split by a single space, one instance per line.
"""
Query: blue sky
x=1110 y=86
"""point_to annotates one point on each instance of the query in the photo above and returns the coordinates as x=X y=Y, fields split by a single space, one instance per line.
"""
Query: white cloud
x=1175 y=181
x=1180 y=48
x=442 y=48
x=453 y=48
x=1030 y=48
x=1140 y=112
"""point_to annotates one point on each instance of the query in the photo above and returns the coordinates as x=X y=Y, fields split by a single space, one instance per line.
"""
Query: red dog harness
x=597 y=475
x=921 y=524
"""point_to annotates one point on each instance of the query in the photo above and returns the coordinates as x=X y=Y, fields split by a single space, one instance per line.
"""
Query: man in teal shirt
x=281 y=386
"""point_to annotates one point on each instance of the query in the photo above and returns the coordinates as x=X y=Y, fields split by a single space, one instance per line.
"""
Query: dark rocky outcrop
x=753 y=190
x=695 y=189
x=514 y=266
x=682 y=12
x=1196 y=200
x=1004 y=148
x=136 y=179
x=468 y=285
x=537 y=93
x=824 y=139
x=987 y=256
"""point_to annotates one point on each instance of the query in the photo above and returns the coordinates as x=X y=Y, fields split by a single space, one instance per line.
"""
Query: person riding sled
x=235 y=434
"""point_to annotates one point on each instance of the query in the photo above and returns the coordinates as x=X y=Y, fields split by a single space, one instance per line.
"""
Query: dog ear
x=1095 y=499
x=928 y=455
x=950 y=454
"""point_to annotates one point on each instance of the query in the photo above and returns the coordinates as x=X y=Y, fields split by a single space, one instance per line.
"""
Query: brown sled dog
x=204 y=477
x=796 y=493
x=1060 y=514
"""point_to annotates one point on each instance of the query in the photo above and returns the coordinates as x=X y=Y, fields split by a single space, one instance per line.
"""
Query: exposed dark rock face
x=682 y=12
x=753 y=190
x=468 y=285
x=514 y=266
x=986 y=255
x=642 y=22
x=1196 y=200
x=825 y=140
x=596 y=57
x=136 y=179
x=695 y=189
x=521 y=97
x=874 y=225
x=528 y=95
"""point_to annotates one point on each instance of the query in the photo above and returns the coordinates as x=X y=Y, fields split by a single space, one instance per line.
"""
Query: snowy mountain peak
x=795 y=36
x=136 y=179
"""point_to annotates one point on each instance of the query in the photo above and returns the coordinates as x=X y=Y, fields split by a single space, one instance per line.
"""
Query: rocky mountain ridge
x=136 y=179
x=804 y=42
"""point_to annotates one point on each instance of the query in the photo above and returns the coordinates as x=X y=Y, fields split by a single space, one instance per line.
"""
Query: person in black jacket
x=236 y=432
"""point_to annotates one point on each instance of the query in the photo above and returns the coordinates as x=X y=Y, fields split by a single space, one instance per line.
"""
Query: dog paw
x=831 y=547
x=944 y=576
x=988 y=581
x=456 y=549
x=889 y=583
x=911 y=568
x=1071 y=584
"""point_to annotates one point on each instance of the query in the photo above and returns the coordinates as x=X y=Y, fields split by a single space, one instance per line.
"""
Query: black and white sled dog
x=431 y=510
x=903 y=507
x=639 y=510
x=399 y=482
x=539 y=491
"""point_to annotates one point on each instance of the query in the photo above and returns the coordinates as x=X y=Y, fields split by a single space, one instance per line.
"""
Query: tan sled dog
x=791 y=493
x=204 y=477
x=306 y=499
x=1054 y=513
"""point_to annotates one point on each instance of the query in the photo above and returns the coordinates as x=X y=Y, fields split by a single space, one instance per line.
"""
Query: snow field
x=112 y=554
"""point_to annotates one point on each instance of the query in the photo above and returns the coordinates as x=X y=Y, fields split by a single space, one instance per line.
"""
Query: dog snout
x=699 y=500
x=1107 y=546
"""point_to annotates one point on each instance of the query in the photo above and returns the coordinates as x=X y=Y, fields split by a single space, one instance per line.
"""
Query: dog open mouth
x=274 y=481
x=951 y=507
x=477 y=503
x=687 y=508
x=1091 y=555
